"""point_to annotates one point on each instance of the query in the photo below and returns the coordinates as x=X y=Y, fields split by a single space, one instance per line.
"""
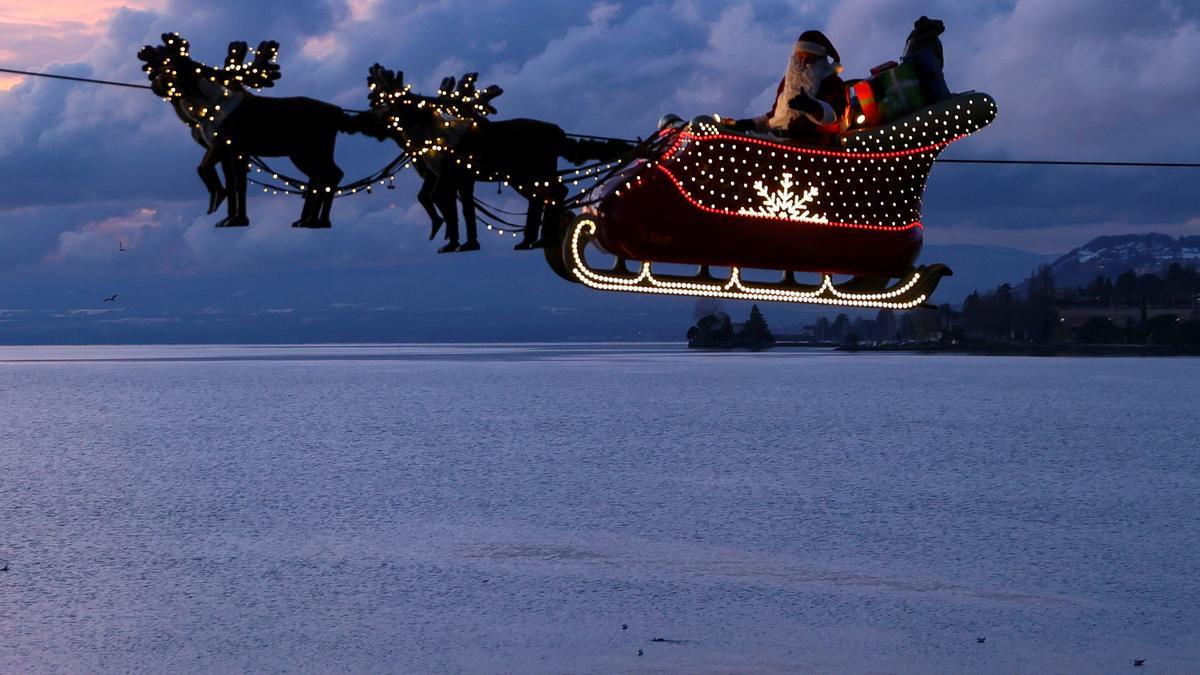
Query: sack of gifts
x=929 y=72
x=901 y=90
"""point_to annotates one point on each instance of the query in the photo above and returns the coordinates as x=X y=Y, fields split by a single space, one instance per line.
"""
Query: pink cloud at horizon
x=89 y=13
x=36 y=33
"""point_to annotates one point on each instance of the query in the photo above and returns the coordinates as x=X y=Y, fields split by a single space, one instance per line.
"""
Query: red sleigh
x=715 y=198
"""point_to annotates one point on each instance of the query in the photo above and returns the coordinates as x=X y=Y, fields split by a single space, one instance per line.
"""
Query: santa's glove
x=805 y=103
x=741 y=125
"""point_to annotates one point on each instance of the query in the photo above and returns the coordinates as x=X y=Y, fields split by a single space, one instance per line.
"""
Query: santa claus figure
x=811 y=98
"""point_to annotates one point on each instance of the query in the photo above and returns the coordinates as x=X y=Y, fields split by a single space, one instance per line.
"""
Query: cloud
x=34 y=32
x=82 y=162
x=102 y=241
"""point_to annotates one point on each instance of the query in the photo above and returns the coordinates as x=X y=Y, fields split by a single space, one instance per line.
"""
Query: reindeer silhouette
x=260 y=73
x=232 y=123
x=457 y=146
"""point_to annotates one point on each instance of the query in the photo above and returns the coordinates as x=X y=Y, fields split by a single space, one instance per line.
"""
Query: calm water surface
x=509 y=508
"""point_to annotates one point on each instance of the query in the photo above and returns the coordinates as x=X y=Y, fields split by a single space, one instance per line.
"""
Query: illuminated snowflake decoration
x=784 y=203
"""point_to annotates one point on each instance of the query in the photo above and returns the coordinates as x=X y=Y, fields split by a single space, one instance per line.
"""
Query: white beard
x=799 y=78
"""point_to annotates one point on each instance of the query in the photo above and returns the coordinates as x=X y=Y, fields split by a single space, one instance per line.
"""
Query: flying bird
x=111 y=299
x=980 y=640
x=121 y=246
x=1138 y=662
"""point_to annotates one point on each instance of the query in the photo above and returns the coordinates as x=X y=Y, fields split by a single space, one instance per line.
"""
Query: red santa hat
x=815 y=42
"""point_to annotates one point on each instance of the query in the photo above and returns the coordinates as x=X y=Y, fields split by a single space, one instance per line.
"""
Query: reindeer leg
x=332 y=177
x=208 y=167
x=307 y=210
x=216 y=191
x=328 y=176
x=444 y=195
x=425 y=197
x=552 y=219
x=312 y=199
x=533 y=219
x=466 y=195
x=235 y=179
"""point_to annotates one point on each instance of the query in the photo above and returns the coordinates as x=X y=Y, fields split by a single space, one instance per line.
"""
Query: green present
x=901 y=89
x=890 y=108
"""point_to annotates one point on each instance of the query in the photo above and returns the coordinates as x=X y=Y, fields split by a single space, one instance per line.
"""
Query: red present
x=864 y=94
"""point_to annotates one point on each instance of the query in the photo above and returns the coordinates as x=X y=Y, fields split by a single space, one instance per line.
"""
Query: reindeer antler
x=466 y=86
x=155 y=57
x=385 y=85
x=258 y=74
x=236 y=55
x=263 y=69
x=455 y=98
x=175 y=43
x=464 y=100
x=234 y=72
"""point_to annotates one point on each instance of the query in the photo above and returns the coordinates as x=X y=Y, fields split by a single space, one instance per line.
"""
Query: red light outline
x=689 y=135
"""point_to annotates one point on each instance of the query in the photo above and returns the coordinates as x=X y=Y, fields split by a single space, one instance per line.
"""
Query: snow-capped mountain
x=1113 y=255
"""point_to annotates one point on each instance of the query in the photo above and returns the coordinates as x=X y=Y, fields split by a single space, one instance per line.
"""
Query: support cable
x=75 y=79
x=638 y=142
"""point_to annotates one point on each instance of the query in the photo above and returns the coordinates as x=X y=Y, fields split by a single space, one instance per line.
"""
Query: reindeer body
x=522 y=153
x=232 y=123
x=300 y=128
x=454 y=145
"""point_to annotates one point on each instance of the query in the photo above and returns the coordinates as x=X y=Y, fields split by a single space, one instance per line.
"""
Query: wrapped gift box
x=863 y=100
x=882 y=67
x=901 y=86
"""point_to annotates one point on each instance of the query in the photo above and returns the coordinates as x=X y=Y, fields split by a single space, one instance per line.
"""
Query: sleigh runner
x=715 y=198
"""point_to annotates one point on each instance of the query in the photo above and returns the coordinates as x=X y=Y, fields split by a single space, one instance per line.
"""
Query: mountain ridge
x=1112 y=255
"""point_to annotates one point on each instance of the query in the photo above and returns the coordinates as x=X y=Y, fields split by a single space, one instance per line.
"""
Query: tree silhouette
x=885 y=325
x=840 y=324
x=824 y=330
x=1040 y=315
x=755 y=333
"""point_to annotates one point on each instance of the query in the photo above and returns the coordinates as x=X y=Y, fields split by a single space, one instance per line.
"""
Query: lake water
x=548 y=508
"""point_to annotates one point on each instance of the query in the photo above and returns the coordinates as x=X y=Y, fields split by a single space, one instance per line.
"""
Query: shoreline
x=1017 y=349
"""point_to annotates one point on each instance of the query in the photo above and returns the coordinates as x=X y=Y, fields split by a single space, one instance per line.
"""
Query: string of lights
x=386 y=175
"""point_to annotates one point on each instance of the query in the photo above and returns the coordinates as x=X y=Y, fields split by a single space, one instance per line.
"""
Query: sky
x=86 y=167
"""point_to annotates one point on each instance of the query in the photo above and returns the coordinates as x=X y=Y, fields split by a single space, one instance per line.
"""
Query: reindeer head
x=170 y=66
x=163 y=63
x=455 y=99
x=391 y=98
x=387 y=88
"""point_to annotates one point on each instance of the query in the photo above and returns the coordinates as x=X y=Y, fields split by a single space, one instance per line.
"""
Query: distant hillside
x=1110 y=256
x=983 y=268
x=980 y=268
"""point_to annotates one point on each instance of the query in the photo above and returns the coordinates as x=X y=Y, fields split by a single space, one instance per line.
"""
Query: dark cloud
x=1074 y=79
